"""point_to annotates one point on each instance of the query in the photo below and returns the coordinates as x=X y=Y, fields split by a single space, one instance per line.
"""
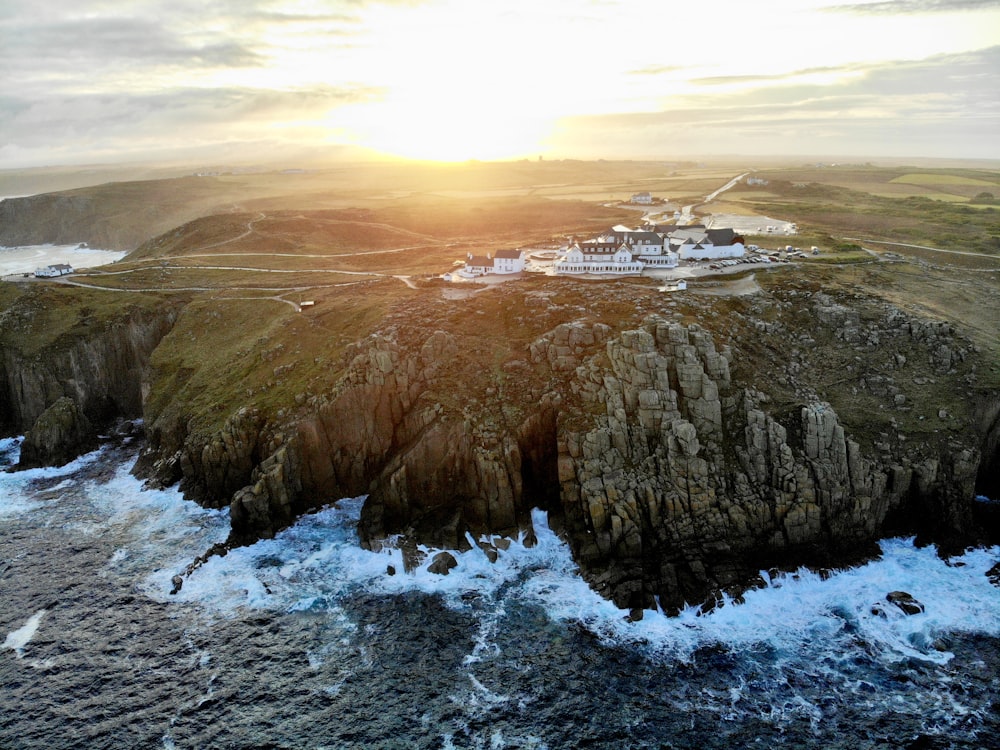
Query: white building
x=508 y=261
x=642 y=199
x=599 y=256
x=698 y=243
x=503 y=262
x=651 y=248
x=57 y=269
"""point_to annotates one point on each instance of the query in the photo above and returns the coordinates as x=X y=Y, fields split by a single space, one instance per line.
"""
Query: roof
x=515 y=254
x=61 y=267
x=599 y=251
x=686 y=234
x=722 y=236
x=480 y=260
x=647 y=237
x=600 y=245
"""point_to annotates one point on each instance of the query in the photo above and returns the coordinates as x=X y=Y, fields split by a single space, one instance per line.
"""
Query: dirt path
x=924 y=247
x=247 y=233
x=728 y=288
x=271 y=298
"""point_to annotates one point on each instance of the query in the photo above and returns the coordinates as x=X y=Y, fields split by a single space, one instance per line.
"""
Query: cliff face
x=60 y=219
x=678 y=461
x=81 y=384
x=675 y=470
x=681 y=484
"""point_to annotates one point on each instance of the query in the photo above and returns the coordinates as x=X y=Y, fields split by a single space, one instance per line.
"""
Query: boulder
x=994 y=574
x=905 y=602
x=442 y=563
x=59 y=435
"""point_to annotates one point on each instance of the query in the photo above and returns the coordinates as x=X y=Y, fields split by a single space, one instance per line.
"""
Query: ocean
x=26 y=258
x=307 y=641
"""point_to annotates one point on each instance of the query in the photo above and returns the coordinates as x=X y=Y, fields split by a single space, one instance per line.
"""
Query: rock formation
x=62 y=395
x=676 y=460
x=59 y=435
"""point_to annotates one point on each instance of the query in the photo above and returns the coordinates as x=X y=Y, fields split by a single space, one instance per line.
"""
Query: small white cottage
x=56 y=269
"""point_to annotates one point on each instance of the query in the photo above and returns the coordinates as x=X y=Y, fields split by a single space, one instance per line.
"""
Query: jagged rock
x=655 y=449
x=58 y=436
x=905 y=602
x=102 y=371
x=442 y=563
x=994 y=574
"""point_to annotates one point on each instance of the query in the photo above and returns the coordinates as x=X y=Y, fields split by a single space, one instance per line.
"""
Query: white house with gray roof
x=503 y=262
x=600 y=256
x=56 y=269
x=698 y=243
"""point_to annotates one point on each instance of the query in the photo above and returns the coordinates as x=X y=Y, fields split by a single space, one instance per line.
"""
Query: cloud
x=656 y=70
x=71 y=42
x=114 y=41
x=941 y=105
x=97 y=122
x=896 y=7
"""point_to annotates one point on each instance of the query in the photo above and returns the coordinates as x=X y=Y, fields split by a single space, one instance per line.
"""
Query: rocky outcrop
x=673 y=480
x=675 y=471
x=682 y=484
x=100 y=373
x=59 y=435
x=432 y=471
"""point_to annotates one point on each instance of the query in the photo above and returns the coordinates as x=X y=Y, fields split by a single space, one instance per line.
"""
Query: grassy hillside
x=241 y=341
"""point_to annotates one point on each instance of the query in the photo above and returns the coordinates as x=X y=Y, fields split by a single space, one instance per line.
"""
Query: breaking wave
x=519 y=652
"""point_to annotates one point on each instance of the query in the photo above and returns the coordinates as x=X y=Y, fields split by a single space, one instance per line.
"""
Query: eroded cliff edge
x=69 y=370
x=678 y=461
x=681 y=443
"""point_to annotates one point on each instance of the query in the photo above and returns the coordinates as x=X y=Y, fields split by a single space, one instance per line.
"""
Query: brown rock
x=442 y=563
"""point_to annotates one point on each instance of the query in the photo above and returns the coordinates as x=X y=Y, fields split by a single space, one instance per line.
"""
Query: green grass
x=47 y=316
x=935 y=179
x=224 y=354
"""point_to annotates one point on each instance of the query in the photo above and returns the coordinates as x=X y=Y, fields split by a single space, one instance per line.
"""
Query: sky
x=211 y=81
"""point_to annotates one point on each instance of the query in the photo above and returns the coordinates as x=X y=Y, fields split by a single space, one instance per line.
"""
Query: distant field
x=930 y=207
x=175 y=278
x=923 y=178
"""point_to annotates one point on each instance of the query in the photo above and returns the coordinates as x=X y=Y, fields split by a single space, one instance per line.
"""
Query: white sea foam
x=10 y=448
x=157 y=527
x=18 y=639
x=313 y=564
x=15 y=497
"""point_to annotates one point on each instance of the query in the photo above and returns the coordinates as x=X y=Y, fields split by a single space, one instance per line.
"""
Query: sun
x=458 y=90
x=449 y=130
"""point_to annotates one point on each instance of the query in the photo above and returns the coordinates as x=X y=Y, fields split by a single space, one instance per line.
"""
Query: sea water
x=307 y=641
x=26 y=258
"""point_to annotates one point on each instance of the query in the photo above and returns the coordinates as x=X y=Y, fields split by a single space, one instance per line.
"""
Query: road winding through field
x=687 y=217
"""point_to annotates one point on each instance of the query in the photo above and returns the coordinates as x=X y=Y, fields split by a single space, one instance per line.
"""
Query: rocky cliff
x=683 y=483
x=677 y=465
x=680 y=443
x=62 y=394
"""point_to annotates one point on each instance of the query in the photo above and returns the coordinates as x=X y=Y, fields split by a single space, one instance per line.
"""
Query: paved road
x=687 y=216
